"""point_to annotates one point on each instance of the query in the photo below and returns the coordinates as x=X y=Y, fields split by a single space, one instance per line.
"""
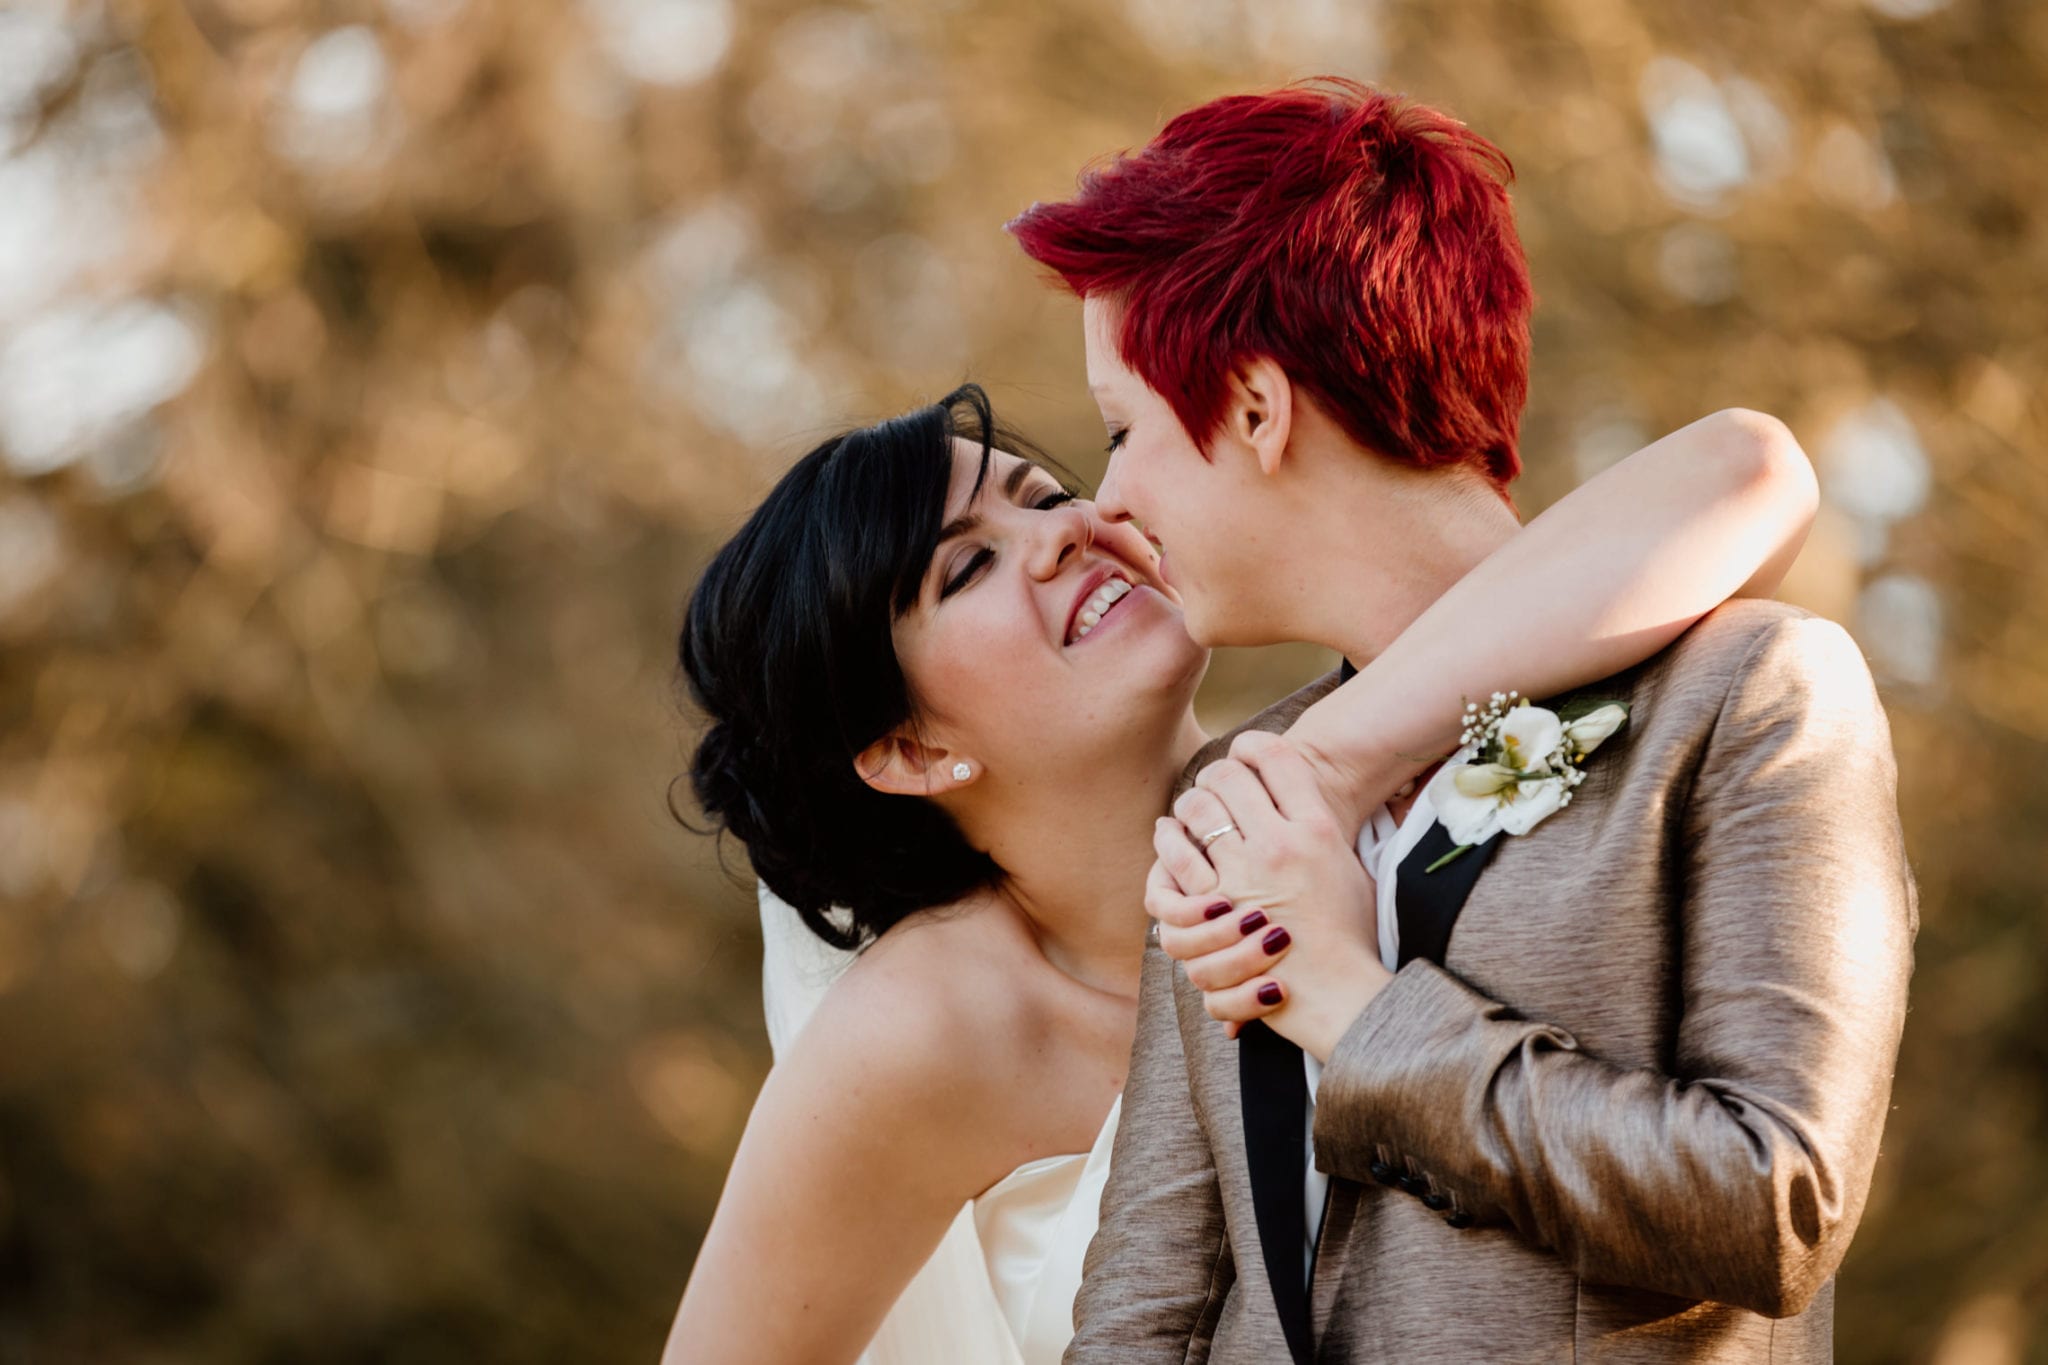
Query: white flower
x=1589 y=731
x=1482 y=779
x=1534 y=767
x=1533 y=803
x=1475 y=801
x=1470 y=819
x=1531 y=737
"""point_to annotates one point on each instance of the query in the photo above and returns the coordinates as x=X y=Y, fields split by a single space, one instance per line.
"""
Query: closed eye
x=983 y=556
x=974 y=565
x=1116 y=439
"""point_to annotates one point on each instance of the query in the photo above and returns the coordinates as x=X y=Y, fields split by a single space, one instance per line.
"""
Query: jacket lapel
x=1427 y=903
x=1333 y=1254
x=1274 y=1091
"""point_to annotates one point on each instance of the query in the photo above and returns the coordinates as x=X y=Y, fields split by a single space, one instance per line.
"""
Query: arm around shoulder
x=1744 y=1171
x=1608 y=576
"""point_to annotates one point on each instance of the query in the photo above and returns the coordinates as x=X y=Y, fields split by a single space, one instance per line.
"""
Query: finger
x=1176 y=912
x=1195 y=932
x=1159 y=880
x=1202 y=815
x=1253 y=955
x=1243 y=795
x=1255 y=999
x=1287 y=777
x=1192 y=875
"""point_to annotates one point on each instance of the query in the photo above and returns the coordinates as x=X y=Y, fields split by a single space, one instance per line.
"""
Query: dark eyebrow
x=968 y=520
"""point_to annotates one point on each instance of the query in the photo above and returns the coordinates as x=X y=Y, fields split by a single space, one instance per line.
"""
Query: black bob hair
x=787 y=648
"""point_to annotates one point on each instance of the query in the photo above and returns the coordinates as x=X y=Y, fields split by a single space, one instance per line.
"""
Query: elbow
x=1793 y=1291
x=1809 y=1240
x=1763 y=461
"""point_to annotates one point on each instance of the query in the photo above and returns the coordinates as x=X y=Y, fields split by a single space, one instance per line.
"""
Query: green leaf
x=1448 y=857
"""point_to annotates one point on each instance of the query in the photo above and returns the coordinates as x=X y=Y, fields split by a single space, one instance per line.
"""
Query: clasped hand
x=1275 y=918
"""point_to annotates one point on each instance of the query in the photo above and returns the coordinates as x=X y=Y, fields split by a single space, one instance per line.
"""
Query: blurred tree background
x=376 y=374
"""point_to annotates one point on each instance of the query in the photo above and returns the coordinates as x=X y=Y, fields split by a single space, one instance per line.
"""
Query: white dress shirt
x=1382 y=844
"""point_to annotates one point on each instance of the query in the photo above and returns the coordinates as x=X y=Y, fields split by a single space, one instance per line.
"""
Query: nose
x=1109 y=494
x=1059 y=535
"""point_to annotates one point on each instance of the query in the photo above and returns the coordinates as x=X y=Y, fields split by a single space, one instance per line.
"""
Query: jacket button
x=1460 y=1219
x=1414 y=1184
x=1436 y=1202
x=1382 y=1172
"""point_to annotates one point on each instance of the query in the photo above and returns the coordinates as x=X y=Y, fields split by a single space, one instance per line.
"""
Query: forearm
x=1703 y=1190
x=1605 y=578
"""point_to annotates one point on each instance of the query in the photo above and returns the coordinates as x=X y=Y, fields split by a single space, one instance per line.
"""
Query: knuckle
x=1253 y=742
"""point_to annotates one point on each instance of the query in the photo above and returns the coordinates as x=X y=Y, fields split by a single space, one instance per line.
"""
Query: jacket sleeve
x=1156 y=1273
x=1740 y=1176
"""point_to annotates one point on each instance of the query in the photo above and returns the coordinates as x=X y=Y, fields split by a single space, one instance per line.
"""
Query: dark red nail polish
x=1252 y=923
x=1269 y=994
x=1217 y=911
x=1277 y=940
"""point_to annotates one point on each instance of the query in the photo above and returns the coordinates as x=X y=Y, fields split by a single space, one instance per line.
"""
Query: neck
x=1448 y=524
x=1076 y=853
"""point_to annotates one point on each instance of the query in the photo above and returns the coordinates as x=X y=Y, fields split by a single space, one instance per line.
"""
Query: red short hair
x=1361 y=241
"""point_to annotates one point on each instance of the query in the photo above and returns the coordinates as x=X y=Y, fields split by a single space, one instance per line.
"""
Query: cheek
x=982 y=648
x=1147 y=483
x=1179 y=484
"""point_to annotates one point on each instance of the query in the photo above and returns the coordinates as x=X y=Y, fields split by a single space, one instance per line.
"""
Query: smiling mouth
x=1099 y=604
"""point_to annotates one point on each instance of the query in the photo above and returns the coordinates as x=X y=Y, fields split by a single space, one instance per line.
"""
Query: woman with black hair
x=947 y=703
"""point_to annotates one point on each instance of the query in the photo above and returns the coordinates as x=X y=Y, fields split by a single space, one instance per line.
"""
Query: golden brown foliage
x=374 y=376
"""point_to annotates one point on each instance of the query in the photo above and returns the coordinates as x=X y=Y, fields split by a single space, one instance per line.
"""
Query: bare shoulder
x=876 y=1124
x=930 y=992
x=914 y=1038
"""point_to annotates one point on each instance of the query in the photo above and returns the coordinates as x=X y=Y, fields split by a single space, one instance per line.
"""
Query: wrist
x=1355 y=782
x=1329 y=1016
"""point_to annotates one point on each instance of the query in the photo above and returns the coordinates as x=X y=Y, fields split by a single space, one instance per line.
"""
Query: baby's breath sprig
x=1521 y=765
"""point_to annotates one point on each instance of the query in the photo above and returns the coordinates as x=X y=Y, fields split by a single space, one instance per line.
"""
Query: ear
x=903 y=765
x=1261 y=410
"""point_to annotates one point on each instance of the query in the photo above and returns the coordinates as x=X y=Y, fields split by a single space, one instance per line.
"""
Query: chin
x=1167 y=662
x=1209 y=629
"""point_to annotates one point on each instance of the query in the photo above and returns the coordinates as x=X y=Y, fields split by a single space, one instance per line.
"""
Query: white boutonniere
x=1518 y=765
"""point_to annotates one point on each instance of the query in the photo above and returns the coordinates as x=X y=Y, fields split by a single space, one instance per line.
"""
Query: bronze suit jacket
x=1633 y=1113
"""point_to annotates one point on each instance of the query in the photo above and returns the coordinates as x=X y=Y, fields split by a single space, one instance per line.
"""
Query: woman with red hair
x=1363 y=242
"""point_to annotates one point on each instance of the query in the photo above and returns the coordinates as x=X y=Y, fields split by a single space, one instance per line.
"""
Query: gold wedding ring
x=1213 y=835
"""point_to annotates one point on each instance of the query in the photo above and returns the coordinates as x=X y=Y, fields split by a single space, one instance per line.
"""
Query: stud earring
x=961 y=772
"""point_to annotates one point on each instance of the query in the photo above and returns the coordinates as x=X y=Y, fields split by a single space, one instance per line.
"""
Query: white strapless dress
x=999 y=1290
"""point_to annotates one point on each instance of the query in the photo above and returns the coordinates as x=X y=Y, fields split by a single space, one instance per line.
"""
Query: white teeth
x=1111 y=592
